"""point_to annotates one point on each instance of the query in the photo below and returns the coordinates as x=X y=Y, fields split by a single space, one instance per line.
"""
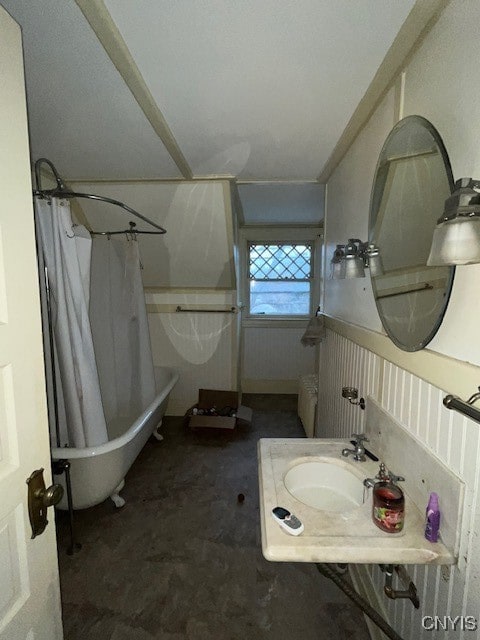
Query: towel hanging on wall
x=315 y=331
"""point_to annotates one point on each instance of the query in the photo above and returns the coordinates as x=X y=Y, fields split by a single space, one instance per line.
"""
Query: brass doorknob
x=51 y=496
x=39 y=498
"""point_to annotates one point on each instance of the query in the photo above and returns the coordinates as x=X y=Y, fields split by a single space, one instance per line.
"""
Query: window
x=280 y=278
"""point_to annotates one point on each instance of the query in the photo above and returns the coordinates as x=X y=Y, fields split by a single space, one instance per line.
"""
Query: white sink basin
x=325 y=486
x=312 y=479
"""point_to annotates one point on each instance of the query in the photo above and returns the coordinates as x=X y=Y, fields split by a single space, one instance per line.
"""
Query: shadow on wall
x=196 y=336
x=196 y=251
x=192 y=268
x=228 y=162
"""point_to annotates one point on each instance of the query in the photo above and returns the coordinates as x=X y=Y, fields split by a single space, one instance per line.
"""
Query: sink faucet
x=359 y=452
x=383 y=475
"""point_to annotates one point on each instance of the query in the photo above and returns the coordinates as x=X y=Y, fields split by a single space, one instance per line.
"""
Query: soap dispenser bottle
x=388 y=509
x=432 y=524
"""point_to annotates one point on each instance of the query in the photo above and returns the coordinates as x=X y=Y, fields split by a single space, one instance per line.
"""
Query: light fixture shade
x=456 y=241
x=374 y=260
x=376 y=266
x=338 y=269
x=353 y=267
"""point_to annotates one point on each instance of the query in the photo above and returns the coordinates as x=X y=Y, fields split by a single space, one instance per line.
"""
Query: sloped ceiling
x=81 y=114
x=259 y=89
x=253 y=89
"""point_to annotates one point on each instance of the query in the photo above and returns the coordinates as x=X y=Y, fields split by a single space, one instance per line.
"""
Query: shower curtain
x=120 y=331
x=67 y=257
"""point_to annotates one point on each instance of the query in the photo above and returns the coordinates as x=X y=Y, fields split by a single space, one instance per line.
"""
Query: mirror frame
x=449 y=284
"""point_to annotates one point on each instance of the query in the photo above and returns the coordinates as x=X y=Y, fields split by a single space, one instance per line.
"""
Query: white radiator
x=307 y=402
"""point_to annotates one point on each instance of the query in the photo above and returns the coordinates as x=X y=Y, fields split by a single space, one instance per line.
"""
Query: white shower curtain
x=120 y=330
x=67 y=257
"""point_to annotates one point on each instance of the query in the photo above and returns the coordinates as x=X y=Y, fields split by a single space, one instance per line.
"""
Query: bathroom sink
x=324 y=490
x=325 y=486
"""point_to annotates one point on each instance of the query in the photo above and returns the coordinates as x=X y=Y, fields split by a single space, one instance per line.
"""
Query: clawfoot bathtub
x=98 y=472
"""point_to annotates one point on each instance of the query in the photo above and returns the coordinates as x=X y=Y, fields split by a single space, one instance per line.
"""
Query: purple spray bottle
x=432 y=523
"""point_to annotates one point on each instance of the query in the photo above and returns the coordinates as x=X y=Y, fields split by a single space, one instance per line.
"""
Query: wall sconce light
x=350 y=260
x=456 y=239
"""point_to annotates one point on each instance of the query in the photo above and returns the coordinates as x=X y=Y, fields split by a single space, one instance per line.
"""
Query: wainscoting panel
x=200 y=346
x=274 y=358
x=451 y=437
x=344 y=364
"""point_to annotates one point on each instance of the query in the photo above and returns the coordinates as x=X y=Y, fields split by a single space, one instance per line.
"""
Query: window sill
x=293 y=322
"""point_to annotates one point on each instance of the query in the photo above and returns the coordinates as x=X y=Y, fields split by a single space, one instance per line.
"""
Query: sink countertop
x=329 y=536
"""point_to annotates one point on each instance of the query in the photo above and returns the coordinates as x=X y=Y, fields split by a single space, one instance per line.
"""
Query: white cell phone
x=290 y=523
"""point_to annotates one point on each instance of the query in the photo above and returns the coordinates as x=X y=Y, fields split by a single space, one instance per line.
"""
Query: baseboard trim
x=365 y=587
x=177 y=407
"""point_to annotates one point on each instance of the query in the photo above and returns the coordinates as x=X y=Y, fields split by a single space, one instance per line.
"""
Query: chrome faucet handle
x=385 y=475
x=359 y=438
x=359 y=451
x=382 y=474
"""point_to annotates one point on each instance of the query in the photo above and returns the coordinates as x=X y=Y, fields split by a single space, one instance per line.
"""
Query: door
x=29 y=586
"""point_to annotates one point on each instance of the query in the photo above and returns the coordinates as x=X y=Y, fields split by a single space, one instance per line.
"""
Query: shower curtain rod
x=132 y=231
x=61 y=191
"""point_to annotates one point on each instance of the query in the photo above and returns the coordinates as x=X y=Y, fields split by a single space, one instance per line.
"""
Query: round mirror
x=412 y=180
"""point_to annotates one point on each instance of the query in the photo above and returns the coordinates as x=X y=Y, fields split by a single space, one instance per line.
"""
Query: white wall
x=438 y=86
x=191 y=265
x=197 y=250
x=282 y=203
x=274 y=358
x=202 y=347
x=348 y=201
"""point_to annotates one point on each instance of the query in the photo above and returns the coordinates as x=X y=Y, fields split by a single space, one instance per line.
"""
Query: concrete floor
x=182 y=560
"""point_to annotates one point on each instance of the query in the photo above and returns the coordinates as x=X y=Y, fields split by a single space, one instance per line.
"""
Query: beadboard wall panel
x=202 y=347
x=273 y=354
x=342 y=363
x=453 y=438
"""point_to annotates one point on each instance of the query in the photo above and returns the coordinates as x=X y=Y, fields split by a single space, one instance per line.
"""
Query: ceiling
x=259 y=90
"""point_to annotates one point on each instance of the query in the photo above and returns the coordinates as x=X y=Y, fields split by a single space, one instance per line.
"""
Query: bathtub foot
x=117 y=499
x=156 y=435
